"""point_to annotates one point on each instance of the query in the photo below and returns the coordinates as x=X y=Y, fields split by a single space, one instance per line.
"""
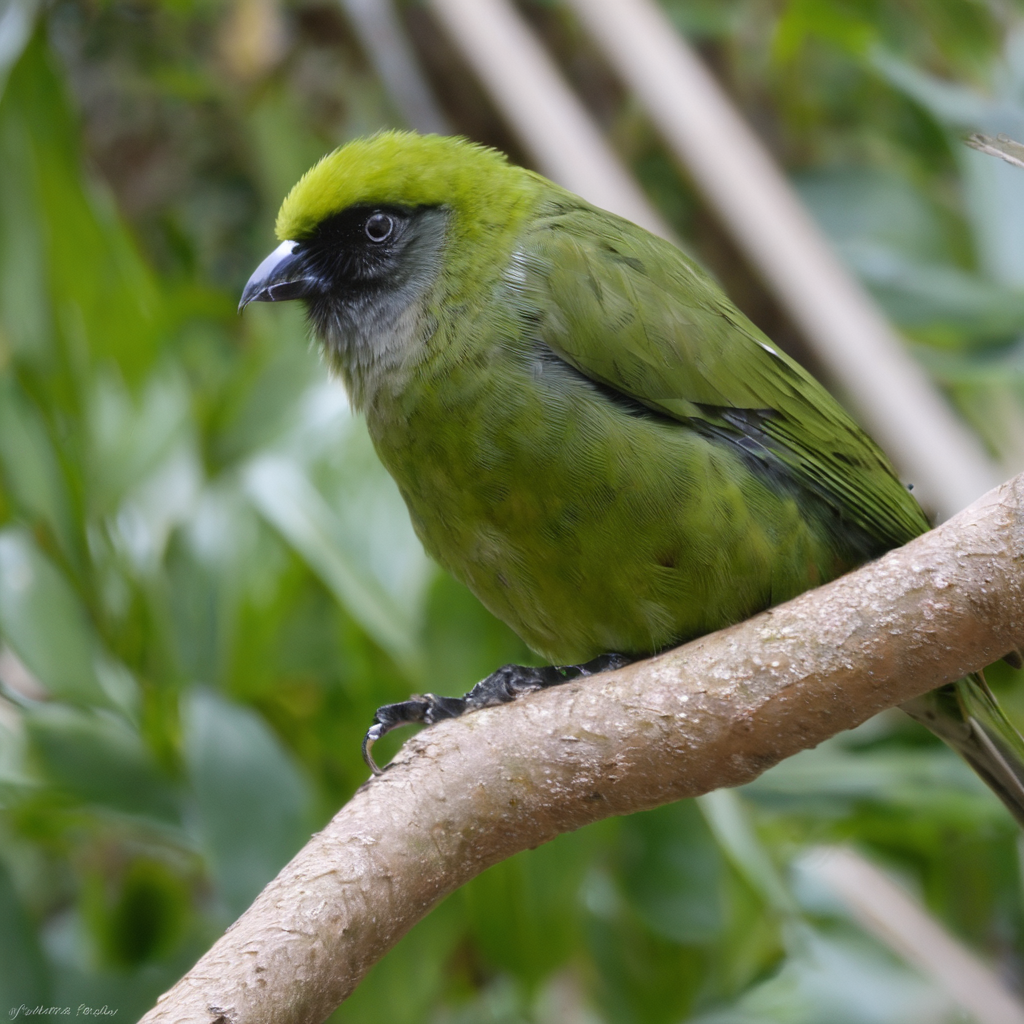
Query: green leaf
x=525 y=912
x=840 y=979
x=139 y=916
x=404 y=986
x=25 y=316
x=29 y=462
x=96 y=758
x=136 y=441
x=727 y=817
x=995 y=198
x=253 y=804
x=830 y=780
x=672 y=873
x=287 y=498
x=106 y=303
x=23 y=971
x=43 y=620
x=859 y=205
x=16 y=779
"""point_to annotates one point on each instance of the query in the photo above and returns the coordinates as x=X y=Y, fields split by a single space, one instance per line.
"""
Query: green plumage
x=597 y=497
x=585 y=430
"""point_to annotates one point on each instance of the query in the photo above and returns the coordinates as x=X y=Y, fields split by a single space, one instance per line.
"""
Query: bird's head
x=368 y=230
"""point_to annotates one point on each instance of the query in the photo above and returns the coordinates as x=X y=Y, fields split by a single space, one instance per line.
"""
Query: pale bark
x=466 y=794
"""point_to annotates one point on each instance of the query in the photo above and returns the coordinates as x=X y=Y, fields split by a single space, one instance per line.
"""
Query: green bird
x=586 y=431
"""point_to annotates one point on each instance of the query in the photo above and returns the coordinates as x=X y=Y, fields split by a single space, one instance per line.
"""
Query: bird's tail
x=967 y=716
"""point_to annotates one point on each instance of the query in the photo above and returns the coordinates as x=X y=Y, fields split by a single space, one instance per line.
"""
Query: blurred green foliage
x=208 y=583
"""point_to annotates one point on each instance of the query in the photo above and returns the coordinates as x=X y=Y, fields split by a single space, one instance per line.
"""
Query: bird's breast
x=586 y=523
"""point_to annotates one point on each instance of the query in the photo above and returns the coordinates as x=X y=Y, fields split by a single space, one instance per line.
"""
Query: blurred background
x=208 y=583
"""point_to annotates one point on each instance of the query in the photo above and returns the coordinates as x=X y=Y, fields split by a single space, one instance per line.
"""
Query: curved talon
x=373 y=734
x=426 y=709
x=391 y=716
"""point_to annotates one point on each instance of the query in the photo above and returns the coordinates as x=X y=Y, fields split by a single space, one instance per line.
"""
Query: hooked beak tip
x=278 y=278
x=248 y=294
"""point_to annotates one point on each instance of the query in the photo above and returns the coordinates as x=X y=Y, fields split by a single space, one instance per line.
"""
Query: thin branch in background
x=546 y=115
x=1001 y=146
x=470 y=792
x=15 y=28
x=253 y=39
x=893 y=916
x=383 y=39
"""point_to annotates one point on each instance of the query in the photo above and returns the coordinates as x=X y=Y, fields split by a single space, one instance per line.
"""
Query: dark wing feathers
x=649 y=323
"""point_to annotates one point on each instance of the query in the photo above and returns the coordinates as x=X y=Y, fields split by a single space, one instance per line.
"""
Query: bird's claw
x=426 y=709
x=500 y=687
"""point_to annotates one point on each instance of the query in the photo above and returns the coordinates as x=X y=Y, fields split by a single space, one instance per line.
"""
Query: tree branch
x=465 y=794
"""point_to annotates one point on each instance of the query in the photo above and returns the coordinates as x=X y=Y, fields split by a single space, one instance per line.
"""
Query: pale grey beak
x=279 y=277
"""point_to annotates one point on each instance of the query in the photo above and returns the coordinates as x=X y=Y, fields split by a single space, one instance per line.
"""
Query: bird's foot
x=500 y=687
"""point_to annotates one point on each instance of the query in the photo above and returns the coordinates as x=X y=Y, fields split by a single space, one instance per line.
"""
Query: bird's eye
x=379 y=227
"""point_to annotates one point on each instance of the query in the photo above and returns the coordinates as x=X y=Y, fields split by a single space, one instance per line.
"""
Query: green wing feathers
x=632 y=312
